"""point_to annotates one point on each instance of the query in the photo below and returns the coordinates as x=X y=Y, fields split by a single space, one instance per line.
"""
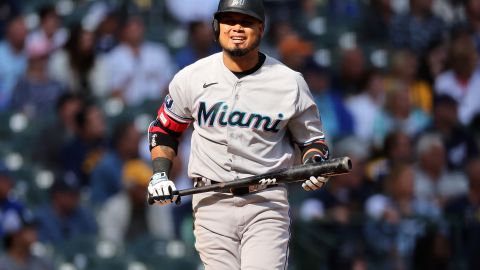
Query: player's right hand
x=162 y=190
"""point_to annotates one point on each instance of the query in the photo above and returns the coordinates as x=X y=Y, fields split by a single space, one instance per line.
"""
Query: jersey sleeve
x=306 y=125
x=178 y=102
x=173 y=117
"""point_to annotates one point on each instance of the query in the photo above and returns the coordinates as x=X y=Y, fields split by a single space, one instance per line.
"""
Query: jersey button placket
x=230 y=130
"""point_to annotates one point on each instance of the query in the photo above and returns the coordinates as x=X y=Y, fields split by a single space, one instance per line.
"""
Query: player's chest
x=245 y=105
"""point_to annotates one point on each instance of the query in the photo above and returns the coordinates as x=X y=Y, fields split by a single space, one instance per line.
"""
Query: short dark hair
x=64 y=98
x=81 y=116
x=46 y=11
x=444 y=99
x=119 y=131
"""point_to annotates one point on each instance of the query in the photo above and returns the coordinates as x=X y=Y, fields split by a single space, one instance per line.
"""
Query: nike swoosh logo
x=205 y=85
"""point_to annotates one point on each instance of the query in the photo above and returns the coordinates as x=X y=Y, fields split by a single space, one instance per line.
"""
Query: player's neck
x=243 y=63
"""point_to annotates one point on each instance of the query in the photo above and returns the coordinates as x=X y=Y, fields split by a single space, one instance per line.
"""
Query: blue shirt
x=41 y=96
x=105 y=179
x=55 y=229
x=336 y=120
x=6 y=206
x=12 y=66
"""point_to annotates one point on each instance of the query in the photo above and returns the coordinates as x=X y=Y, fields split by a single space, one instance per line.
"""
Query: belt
x=240 y=191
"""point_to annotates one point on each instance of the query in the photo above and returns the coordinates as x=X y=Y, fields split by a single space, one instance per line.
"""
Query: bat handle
x=151 y=199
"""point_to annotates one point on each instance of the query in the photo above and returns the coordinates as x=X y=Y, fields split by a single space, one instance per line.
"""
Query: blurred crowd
x=397 y=84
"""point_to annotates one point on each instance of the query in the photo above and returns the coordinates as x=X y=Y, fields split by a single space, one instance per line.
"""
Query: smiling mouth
x=238 y=40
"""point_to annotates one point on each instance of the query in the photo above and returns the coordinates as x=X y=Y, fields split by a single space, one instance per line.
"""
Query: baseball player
x=249 y=113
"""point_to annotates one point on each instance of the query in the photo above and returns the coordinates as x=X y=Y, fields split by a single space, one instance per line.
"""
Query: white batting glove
x=314 y=183
x=266 y=182
x=162 y=190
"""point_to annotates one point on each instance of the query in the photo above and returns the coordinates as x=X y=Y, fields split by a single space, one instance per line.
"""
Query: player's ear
x=262 y=28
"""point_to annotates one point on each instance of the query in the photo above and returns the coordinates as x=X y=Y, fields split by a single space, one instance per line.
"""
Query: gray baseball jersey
x=241 y=125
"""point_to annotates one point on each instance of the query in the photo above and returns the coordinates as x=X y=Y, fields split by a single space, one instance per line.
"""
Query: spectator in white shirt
x=77 y=66
x=433 y=181
x=138 y=70
x=462 y=80
x=365 y=106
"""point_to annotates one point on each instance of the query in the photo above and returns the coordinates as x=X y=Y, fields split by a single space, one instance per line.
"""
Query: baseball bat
x=293 y=174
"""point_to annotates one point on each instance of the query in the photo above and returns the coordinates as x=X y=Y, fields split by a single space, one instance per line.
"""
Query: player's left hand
x=314 y=183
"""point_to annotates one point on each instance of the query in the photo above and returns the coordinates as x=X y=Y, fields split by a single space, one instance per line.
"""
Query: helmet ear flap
x=216 y=29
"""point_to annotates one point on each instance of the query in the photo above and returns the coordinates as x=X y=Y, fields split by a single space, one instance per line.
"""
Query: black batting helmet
x=253 y=8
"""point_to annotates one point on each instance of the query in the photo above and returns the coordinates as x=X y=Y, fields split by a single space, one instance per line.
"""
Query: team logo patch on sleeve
x=168 y=102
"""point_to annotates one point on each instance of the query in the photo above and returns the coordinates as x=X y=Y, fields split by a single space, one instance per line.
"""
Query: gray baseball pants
x=242 y=232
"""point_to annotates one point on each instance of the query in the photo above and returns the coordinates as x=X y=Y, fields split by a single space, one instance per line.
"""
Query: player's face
x=239 y=33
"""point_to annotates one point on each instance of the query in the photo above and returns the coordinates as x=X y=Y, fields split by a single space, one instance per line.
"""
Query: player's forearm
x=162 y=158
x=162 y=151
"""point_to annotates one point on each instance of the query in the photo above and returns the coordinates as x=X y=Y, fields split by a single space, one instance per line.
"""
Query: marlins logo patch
x=168 y=102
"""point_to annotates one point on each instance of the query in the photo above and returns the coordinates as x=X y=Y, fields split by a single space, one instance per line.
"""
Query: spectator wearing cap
x=35 y=91
x=20 y=234
x=459 y=143
x=138 y=70
x=63 y=218
x=129 y=212
x=8 y=204
x=13 y=58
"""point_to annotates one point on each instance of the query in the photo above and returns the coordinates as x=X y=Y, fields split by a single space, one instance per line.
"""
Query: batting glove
x=314 y=182
x=162 y=190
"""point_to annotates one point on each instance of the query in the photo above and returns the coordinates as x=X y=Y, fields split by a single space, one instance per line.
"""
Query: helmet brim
x=238 y=10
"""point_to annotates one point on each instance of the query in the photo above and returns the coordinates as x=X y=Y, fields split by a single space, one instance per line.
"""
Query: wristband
x=161 y=164
x=313 y=157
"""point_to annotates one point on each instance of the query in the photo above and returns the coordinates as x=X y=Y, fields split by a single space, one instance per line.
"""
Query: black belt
x=240 y=191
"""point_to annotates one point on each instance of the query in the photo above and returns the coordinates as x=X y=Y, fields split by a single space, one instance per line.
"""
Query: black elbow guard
x=159 y=135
